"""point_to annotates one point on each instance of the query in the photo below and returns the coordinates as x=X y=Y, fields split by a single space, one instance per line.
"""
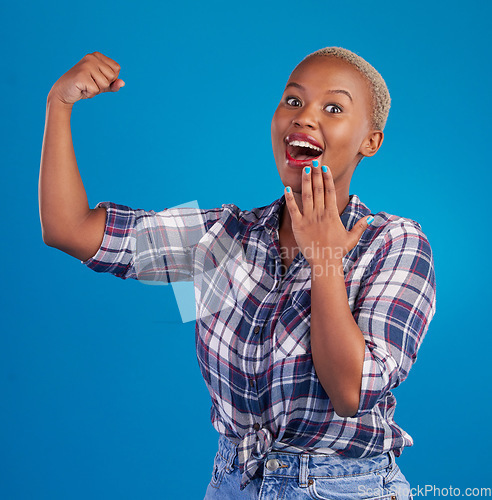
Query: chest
x=288 y=249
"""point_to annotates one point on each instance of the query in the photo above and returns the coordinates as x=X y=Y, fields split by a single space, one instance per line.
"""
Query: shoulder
x=392 y=242
x=398 y=249
x=384 y=227
x=263 y=217
x=386 y=233
x=388 y=229
x=390 y=226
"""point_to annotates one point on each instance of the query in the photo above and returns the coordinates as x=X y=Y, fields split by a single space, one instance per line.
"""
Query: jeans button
x=272 y=464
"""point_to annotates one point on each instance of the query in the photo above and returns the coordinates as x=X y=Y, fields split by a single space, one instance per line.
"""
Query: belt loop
x=392 y=460
x=303 y=470
x=231 y=456
x=392 y=469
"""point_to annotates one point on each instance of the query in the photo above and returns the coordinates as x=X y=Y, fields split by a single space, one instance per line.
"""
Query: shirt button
x=257 y=329
x=257 y=426
x=251 y=382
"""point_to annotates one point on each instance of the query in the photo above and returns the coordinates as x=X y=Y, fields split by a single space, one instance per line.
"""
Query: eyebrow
x=334 y=91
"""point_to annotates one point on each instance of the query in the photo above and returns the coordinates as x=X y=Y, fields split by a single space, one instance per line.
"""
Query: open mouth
x=302 y=149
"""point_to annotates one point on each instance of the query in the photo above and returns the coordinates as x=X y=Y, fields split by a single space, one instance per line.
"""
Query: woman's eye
x=293 y=101
x=333 y=108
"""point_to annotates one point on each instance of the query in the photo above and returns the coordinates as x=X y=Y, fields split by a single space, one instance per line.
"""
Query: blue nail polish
x=307 y=170
x=324 y=168
x=288 y=189
x=370 y=219
x=315 y=163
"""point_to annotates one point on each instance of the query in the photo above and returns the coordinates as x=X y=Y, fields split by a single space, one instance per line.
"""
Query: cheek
x=344 y=138
x=280 y=120
x=277 y=132
x=275 y=126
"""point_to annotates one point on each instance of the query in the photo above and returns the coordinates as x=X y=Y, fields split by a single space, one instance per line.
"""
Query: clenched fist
x=93 y=74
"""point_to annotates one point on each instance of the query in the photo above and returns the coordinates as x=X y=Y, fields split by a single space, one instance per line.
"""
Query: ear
x=371 y=143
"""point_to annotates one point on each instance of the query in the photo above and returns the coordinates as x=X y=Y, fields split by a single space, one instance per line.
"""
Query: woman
x=309 y=310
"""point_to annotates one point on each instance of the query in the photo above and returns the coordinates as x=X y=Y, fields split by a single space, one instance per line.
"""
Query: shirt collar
x=269 y=216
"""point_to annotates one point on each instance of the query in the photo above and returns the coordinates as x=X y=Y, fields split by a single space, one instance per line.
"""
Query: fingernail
x=324 y=168
x=288 y=189
x=370 y=219
x=315 y=163
x=307 y=170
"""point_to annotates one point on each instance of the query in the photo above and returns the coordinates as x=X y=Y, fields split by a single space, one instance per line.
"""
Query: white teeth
x=304 y=144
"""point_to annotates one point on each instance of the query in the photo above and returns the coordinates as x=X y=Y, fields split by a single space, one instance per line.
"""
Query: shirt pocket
x=292 y=332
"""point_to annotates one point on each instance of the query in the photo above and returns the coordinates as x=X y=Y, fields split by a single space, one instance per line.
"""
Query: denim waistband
x=305 y=465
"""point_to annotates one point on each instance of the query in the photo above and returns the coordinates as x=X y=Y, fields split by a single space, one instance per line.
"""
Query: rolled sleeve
x=395 y=305
x=149 y=245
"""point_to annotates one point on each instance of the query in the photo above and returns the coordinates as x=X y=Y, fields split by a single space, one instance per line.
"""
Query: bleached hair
x=381 y=100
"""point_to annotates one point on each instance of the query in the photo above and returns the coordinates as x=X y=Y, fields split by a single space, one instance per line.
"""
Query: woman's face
x=324 y=114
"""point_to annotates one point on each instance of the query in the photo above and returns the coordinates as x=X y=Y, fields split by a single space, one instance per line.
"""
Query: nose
x=305 y=117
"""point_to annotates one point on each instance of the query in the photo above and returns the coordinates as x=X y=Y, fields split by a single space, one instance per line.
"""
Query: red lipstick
x=312 y=152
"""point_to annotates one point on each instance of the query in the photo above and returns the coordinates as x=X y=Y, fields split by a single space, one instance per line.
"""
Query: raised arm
x=67 y=221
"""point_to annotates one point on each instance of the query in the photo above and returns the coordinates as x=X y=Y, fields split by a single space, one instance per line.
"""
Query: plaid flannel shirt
x=253 y=320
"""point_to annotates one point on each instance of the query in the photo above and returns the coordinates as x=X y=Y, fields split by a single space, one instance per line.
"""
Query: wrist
x=52 y=101
x=326 y=268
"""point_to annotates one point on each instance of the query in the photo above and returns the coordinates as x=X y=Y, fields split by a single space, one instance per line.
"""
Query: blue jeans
x=301 y=475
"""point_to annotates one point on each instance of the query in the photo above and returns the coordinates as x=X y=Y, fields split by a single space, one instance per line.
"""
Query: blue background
x=101 y=394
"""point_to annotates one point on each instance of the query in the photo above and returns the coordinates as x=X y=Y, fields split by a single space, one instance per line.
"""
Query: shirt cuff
x=91 y=262
x=379 y=374
x=113 y=256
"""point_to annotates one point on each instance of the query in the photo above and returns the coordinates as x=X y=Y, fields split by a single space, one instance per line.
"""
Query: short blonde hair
x=381 y=100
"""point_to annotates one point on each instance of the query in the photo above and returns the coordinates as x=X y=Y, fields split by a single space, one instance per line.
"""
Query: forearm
x=337 y=344
x=63 y=203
